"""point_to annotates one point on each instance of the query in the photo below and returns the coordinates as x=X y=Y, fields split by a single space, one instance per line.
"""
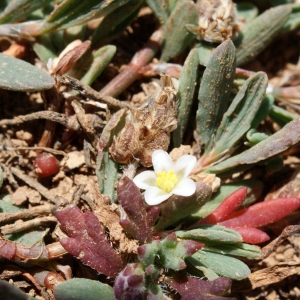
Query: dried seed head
x=217 y=21
x=148 y=128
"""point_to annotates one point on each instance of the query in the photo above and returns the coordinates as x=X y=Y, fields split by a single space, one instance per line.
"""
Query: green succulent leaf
x=258 y=33
x=81 y=288
x=159 y=9
x=75 y=12
x=294 y=20
x=211 y=233
x=238 y=118
x=280 y=141
x=187 y=87
x=254 y=137
x=244 y=250
x=20 y=9
x=100 y=60
x=177 y=38
x=214 y=91
x=116 y=21
x=281 y=116
x=222 y=265
x=18 y=75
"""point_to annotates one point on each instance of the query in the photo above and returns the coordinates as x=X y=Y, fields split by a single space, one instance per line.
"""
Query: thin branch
x=26 y=213
x=48 y=115
x=87 y=91
x=46 y=149
x=21 y=226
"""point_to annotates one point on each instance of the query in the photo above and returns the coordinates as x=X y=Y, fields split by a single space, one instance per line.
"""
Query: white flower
x=168 y=178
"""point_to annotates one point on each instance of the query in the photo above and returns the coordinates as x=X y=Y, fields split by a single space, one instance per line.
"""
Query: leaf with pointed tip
x=238 y=118
x=196 y=288
x=76 y=289
x=186 y=93
x=18 y=75
x=159 y=9
x=259 y=32
x=20 y=9
x=116 y=21
x=252 y=235
x=74 y=12
x=214 y=91
x=177 y=38
x=88 y=242
x=277 y=143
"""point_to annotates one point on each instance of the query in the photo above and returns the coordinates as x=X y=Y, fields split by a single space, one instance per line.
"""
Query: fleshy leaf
x=280 y=141
x=244 y=250
x=196 y=288
x=18 y=75
x=252 y=235
x=211 y=233
x=177 y=37
x=87 y=241
x=262 y=213
x=116 y=21
x=221 y=264
x=19 y=9
x=259 y=33
x=74 y=12
x=76 y=289
x=159 y=9
x=229 y=205
x=214 y=91
x=238 y=118
x=185 y=96
x=131 y=200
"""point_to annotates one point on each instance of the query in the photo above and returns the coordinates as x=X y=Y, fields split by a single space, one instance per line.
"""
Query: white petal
x=154 y=195
x=161 y=161
x=184 y=166
x=145 y=179
x=185 y=187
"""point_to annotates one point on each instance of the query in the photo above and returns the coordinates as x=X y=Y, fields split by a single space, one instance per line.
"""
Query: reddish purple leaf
x=139 y=221
x=252 y=235
x=197 y=289
x=262 y=213
x=87 y=241
x=228 y=206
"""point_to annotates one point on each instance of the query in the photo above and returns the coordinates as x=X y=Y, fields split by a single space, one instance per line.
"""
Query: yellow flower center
x=166 y=181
